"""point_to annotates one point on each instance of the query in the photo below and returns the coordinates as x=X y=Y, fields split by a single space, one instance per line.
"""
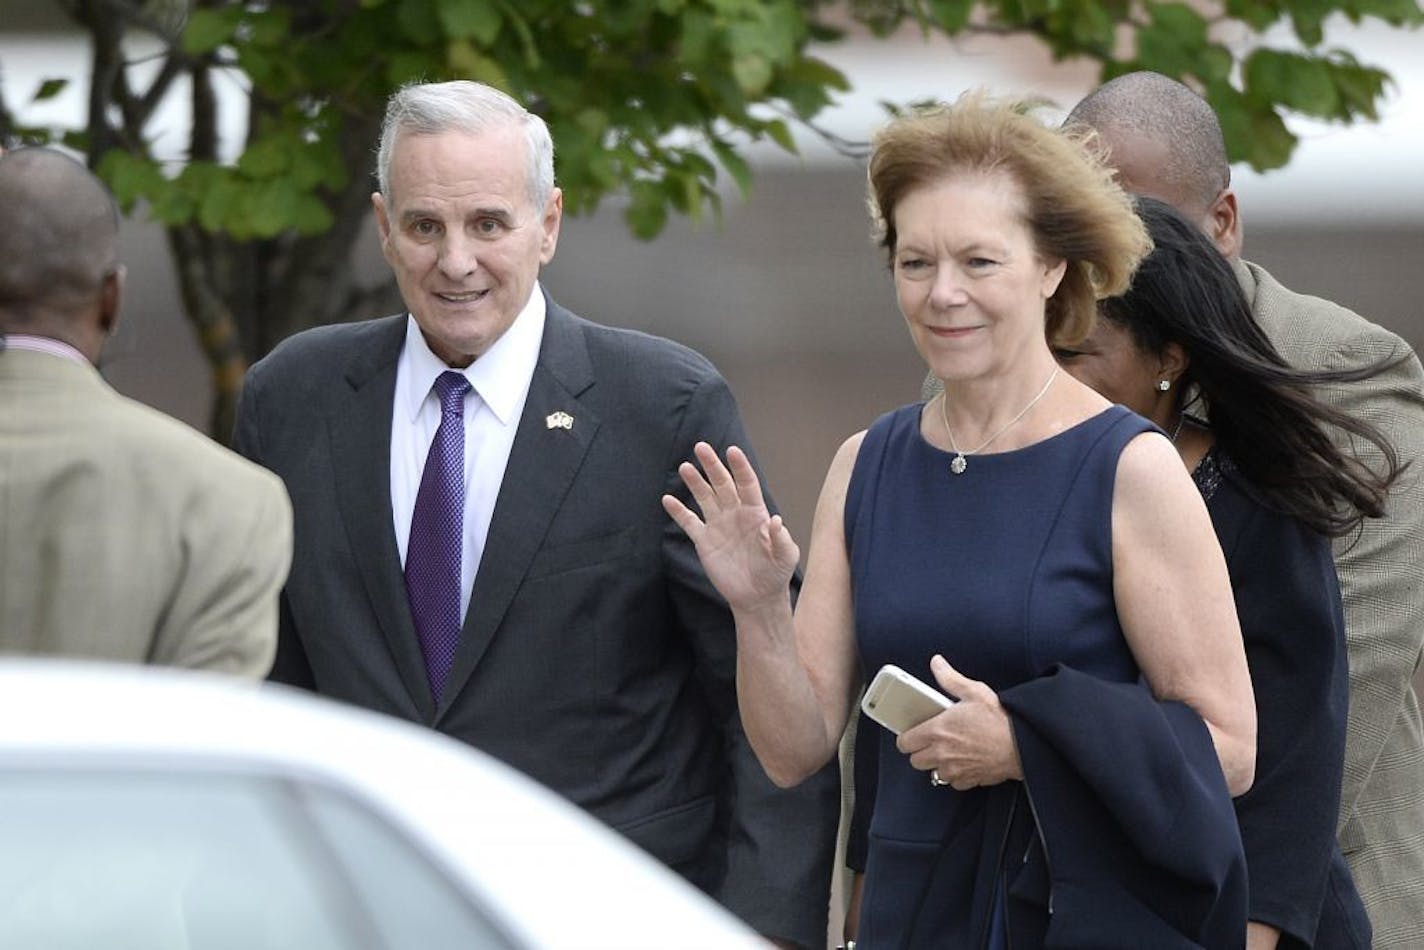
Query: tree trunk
x=213 y=322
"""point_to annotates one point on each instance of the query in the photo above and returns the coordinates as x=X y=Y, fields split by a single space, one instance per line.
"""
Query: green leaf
x=951 y=15
x=735 y=165
x=318 y=164
x=592 y=121
x=470 y=19
x=130 y=177
x=1258 y=15
x=218 y=206
x=311 y=216
x=271 y=27
x=1297 y=82
x=812 y=69
x=48 y=89
x=1233 y=112
x=172 y=206
x=469 y=63
x=208 y=28
x=266 y=157
x=77 y=139
x=752 y=72
x=1393 y=12
x=1214 y=64
x=419 y=22
x=265 y=67
x=779 y=133
x=1089 y=25
x=1270 y=142
x=698 y=36
x=646 y=214
x=407 y=67
x=269 y=206
x=512 y=17
x=685 y=190
x=1182 y=21
x=806 y=86
x=1360 y=87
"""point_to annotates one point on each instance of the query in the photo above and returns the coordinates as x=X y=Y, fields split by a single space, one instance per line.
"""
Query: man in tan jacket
x=124 y=534
x=1166 y=142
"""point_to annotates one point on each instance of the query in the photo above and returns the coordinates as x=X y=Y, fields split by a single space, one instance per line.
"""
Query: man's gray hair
x=469 y=107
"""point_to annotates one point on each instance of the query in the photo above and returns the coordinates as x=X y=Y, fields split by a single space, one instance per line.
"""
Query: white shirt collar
x=500 y=377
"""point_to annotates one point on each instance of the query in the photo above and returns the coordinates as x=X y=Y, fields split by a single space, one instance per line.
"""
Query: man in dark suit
x=492 y=457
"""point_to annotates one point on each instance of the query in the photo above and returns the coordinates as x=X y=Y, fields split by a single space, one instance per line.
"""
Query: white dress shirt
x=500 y=383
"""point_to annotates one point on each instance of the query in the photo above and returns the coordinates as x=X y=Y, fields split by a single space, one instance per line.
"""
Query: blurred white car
x=144 y=809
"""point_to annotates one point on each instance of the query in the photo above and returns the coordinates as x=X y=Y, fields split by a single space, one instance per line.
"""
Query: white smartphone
x=898 y=701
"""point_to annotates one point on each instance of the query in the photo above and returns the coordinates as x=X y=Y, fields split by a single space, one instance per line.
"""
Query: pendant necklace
x=959 y=463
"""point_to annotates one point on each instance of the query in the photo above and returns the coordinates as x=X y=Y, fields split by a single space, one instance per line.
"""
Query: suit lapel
x=542 y=465
x=361 y=455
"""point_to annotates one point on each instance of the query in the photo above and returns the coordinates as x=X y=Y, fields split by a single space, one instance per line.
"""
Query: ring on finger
x=935 y=780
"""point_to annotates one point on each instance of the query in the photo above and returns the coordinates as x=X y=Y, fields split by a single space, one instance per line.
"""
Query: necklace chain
x=1177 y=429
x=959 y=463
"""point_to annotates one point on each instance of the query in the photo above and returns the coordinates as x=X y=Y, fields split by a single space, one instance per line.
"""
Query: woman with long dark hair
x=1181 y=348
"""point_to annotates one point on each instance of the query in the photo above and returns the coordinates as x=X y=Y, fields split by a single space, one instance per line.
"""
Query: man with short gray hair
x=481 y=545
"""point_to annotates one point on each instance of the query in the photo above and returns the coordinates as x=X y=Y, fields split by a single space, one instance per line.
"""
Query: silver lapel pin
x=559 y=420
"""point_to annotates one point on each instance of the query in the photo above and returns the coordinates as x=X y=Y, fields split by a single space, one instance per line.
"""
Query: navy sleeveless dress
x=1005 y=569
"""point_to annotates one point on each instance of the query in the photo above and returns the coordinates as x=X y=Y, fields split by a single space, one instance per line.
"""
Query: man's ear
x=1223 y=224
x=111 y=295
x=553 y=217
x=383 y=221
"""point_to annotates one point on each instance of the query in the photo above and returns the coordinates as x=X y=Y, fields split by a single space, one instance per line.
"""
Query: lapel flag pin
x=559 y=420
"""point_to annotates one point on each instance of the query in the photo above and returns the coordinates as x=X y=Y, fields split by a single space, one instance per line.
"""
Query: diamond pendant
x=958 y=464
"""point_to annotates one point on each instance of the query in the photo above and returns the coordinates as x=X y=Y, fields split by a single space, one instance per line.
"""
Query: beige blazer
x=1382 y=581
x=125 y=535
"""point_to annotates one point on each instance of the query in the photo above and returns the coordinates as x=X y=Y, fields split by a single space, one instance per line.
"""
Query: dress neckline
x=1046 y=440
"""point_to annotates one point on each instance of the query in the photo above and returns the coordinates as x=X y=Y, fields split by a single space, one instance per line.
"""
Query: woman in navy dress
x=1277 y=489
x=1036 y=552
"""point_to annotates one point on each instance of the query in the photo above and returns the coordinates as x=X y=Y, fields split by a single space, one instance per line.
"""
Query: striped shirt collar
x=42 y=344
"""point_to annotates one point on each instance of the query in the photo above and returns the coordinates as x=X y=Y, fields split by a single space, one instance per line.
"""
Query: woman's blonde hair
x=1073 y=208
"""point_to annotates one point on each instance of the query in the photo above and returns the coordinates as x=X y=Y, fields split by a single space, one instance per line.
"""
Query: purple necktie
x=437 y=531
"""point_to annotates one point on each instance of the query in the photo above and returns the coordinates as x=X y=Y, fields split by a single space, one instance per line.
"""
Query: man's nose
x=459 y=256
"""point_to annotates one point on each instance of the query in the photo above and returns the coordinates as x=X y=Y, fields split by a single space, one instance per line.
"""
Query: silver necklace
x=1177 y=429
x=959 y=463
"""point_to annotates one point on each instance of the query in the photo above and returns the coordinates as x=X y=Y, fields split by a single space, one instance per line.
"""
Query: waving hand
x=747 y=552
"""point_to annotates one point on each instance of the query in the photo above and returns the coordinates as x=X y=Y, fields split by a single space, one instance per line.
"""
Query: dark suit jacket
x=595 y=655
x=1136 y=842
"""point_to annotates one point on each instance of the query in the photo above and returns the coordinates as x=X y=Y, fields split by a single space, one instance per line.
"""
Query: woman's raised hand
x=747 y=552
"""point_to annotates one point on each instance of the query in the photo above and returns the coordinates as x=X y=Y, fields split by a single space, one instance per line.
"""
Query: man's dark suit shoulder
x=638 y=359
x=313 y=357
